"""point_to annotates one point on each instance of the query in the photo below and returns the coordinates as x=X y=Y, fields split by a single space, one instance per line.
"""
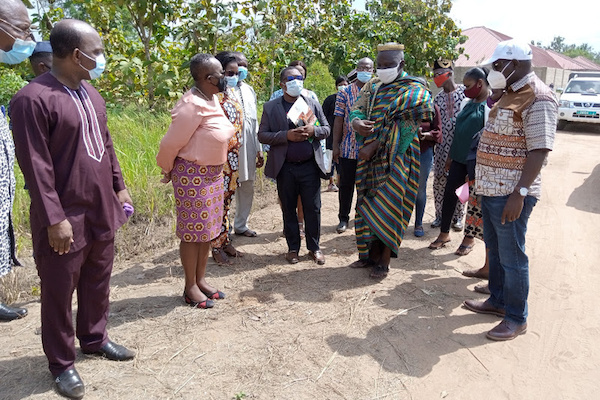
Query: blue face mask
x=232 y=81
x=21 y=50
x=100 y=66
x=364 y=76
x=243 y=72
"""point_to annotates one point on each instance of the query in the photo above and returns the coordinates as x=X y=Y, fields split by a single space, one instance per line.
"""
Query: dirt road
x=307 y=331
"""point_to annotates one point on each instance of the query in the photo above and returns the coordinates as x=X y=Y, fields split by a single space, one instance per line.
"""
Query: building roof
x=479 y=46
x=589 y=64
x=482 y=41
x=566 y=62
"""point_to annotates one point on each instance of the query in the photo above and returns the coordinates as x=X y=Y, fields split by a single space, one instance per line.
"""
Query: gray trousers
x=244 y=195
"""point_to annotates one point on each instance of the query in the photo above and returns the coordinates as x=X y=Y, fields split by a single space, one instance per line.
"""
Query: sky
x=578 y=21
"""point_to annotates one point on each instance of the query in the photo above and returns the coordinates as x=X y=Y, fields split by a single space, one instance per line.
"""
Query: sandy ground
x=307 y=331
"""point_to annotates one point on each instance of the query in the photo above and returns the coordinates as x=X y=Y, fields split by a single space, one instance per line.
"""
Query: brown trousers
x=88 y=271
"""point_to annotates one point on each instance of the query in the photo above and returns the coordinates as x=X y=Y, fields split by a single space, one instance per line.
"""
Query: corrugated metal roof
x=566 y=62
x=482 y=42
x=479 y=46
x=587 y=63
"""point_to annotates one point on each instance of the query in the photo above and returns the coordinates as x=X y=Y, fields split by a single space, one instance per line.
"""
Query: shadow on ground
x=585 y=197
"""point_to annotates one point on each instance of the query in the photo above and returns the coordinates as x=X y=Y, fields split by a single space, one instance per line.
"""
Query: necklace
x=200 y=93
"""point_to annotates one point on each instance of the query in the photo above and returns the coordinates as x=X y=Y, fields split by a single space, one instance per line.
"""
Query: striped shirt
x=343 y=105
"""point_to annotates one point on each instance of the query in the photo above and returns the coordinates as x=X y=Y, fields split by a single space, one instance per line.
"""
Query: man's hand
x=448 y=163
x=60 y=237
x=124 y=197
x=309 y=129
x=363 y=127
x=512 y=209
x=260 y=160
x=297 y=135
x=367 y=151
x=336 y=153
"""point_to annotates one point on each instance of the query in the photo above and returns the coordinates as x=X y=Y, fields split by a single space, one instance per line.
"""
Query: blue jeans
x=509 y=265
x=426 y=163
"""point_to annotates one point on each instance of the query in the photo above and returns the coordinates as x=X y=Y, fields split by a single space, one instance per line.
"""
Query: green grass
x=136 y=135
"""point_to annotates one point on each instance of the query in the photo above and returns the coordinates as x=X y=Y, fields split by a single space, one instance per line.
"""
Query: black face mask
x=221 y=83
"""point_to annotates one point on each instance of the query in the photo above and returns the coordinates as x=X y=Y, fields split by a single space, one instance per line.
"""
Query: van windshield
x=585 y=87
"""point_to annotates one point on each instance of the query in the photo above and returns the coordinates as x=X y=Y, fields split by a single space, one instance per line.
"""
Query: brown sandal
x=220 y=257
x=231 y=251
x=438 y=244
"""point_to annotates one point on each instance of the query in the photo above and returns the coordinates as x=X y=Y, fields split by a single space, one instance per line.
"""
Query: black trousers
x=347 y=174
x=456 y=178
x=300 y=179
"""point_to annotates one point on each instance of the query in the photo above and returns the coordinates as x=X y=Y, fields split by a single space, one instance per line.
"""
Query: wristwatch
x=523 y=191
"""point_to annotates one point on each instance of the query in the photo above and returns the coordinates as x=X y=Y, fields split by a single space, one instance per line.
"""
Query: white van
x=580 y=101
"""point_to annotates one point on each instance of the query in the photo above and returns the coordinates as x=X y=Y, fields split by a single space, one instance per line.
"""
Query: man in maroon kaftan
x=67 y=157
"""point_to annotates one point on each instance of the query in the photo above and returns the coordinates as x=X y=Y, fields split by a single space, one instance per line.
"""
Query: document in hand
x=301 y=114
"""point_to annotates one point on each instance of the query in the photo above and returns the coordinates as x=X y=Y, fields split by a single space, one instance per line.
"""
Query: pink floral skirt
x=198 y=200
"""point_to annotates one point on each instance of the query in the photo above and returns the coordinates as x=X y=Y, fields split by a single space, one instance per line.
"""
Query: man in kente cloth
x=386 y=117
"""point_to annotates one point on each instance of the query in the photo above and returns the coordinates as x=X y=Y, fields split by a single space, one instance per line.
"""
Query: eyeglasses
x=231 y=73
x=25 y=33
x=294 y=77
x=497 y=65
x=218 y=75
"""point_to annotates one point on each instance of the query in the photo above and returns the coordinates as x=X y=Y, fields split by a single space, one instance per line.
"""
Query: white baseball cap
x=510 y=50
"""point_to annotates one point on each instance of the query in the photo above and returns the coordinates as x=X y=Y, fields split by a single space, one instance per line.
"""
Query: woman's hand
x=166 y=177
x=260 y=160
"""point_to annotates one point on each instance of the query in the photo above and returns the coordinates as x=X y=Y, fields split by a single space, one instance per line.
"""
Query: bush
x=319 y=80
x=136 y=133
x=11 y=84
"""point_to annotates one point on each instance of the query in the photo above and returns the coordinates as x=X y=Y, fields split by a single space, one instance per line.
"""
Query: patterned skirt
x=198 y=200
x=474 y=221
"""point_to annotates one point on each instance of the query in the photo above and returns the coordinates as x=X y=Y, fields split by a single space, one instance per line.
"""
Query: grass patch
x=136 y=134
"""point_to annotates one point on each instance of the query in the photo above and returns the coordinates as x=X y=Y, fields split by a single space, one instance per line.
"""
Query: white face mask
x=98 y=69
x=497 y=80
x=387 y=75
x=294 y=87
x=20 y=51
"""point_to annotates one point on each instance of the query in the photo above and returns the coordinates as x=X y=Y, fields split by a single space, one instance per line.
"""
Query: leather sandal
x=438 y=244
x=220 y=257
x=231 y=251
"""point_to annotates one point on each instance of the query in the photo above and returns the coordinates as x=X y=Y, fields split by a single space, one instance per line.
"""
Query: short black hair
x=198 y=63
x=64 y=38
x=39 y=57
x=477 y=73
x=340 y=79
x=283 y=72
x=225 y=58
x=300 y=63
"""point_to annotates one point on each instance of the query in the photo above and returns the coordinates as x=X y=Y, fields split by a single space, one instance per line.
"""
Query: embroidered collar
x=518 y=85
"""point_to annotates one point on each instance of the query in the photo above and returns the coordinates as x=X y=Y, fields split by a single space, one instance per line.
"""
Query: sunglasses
x=294 y=77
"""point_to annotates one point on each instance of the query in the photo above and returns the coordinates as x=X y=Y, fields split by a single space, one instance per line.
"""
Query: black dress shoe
x=11 y=313
x=114 y=352
x=69 y=384
x=342 y=226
